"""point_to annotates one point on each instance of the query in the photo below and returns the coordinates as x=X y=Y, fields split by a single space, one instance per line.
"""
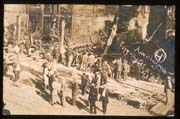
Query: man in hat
x=84 y=83
x=93 y=94
x=96 y=66
x=95 y=79
x=75 y=91
x=104 y=98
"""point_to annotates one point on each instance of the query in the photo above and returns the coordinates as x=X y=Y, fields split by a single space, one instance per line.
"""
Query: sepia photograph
x=89 y=59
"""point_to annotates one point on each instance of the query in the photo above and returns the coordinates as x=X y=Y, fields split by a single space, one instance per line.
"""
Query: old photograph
x=89 y=59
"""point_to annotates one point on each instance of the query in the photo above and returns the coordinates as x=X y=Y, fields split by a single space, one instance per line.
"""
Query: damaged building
x=130 y=47
x=83 y=24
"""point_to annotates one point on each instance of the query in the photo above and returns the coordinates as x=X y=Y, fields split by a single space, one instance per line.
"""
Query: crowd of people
x=91 y=84
x=93 y=80
x=86 y=61
x=32 y=46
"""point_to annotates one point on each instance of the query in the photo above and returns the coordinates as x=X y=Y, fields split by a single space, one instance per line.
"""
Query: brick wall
x=87 y=21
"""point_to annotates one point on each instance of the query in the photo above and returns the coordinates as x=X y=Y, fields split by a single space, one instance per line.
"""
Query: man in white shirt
x=104 y=98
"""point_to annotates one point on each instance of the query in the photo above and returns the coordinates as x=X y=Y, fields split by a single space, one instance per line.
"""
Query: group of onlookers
x=93 y=83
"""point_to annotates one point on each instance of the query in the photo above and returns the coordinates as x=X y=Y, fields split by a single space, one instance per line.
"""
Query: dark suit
x=105 y=100
x=51 y=78
x=84 y=82
x=17 y=72
x=95 y=80
x=104 y=77
x=74 y=92
x=93 y=98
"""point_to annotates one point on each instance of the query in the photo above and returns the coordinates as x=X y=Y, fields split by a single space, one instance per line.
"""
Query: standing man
x=84 y=82
x=55 y=53
x=169 y=91
x=93 y=98
x=55 y=90
x=119 y=69
x=104 y=77
x=22 y=44
x=84 y=61
x=115 y=66
x=67 y=56
x=51 y=75
x=75 y=91
x=63 y=88
x=104 y=72
x=79 y=61
x=27 y=46
x=75 y=55
x=95 y=79
x=70 y=54
x=126 y=69
x=90 y=59
x=45 y=76
x=17 y=71
x=104 y=98
x=96 y=66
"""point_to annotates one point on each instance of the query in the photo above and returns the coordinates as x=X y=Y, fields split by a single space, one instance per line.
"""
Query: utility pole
x=72 y=23
x=59 y=28
x=61 y=46
x=58 y=17
x=62 y=28
x=91 y=30
x=27 y=18
x=42 y=18
x=18 y=33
